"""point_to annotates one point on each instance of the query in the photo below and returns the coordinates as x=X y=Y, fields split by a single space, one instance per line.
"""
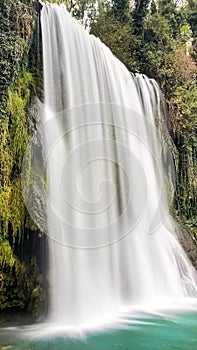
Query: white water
x=112 y=245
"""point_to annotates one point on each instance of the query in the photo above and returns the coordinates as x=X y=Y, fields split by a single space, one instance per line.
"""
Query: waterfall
x=112 y=241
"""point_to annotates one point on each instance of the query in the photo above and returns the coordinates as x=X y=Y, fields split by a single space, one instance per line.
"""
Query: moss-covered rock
x=22 y=281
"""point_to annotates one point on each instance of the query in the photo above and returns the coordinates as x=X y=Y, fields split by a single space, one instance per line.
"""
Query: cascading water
x=112 y=243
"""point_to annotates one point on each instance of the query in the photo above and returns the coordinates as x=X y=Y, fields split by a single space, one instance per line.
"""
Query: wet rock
x=189 y=244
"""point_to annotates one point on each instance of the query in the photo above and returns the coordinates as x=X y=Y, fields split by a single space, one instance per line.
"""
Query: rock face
x=37 y=6
x=189 y=244
x=35 y=197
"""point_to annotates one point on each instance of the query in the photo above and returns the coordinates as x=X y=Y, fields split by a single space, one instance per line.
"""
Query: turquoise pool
x=177 y=332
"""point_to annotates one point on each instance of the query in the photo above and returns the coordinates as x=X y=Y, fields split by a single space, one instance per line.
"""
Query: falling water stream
x=112 y=243
x=119 y=278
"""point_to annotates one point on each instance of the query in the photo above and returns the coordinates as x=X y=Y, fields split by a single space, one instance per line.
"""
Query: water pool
x=146 y=333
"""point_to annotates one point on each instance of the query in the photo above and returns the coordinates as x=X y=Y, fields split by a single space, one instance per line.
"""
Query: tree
x=117 y=32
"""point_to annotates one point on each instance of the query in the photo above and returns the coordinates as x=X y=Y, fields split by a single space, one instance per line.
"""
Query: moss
x=16 y=22
x=18 y=99
x=22 y=287
x=6 y=254
x=14 y=137
x=21 y=283
x=6 y=158
x=15 y=289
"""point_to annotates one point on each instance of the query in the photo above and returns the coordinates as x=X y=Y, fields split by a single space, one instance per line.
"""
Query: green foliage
x=18 y=99
x=120 y=10
x=15 y=31
x=21 y=284
x=22 y=287
x=183 y=118
x=189 y=12
x=139 y=15
x=157 y=50
x=6 y=254
x=12 y=287
x=14 y=138
x=35 y=290
x=18 y=279
x=117 y=32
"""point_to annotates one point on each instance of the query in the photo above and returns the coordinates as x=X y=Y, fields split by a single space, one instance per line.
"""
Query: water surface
x=146 y=333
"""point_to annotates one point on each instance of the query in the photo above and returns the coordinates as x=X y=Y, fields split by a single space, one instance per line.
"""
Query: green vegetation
x=16 y=18
x=21 y=283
